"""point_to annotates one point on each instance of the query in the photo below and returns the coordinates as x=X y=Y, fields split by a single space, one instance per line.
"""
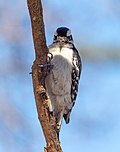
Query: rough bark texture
x=38 y=75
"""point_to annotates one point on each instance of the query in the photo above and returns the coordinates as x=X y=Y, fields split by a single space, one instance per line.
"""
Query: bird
x=63 y=78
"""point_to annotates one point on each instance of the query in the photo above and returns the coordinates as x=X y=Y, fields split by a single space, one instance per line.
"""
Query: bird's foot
x=47 y=65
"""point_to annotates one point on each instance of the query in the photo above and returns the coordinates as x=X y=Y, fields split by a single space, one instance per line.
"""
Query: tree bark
x=38 y=77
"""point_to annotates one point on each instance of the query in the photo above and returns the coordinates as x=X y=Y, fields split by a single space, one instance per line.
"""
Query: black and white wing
x=76 y=71
x=75 y=75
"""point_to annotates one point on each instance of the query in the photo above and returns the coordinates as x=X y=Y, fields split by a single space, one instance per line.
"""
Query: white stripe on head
x=68 y=33
x=55 y=34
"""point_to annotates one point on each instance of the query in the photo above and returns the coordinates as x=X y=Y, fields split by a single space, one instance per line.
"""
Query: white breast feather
x=59 y=79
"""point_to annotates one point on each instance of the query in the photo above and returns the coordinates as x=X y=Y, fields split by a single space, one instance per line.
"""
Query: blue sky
x=95 y=120
x=92 y=22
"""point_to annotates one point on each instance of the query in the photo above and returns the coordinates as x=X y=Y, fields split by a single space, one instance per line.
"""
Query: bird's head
x=63 y=36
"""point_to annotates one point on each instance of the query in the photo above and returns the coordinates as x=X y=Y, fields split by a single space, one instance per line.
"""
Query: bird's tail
x=67 y=117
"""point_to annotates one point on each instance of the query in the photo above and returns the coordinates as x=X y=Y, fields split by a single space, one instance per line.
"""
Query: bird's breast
x=59 y=79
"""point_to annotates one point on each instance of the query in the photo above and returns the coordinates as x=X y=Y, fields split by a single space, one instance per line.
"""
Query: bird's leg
x=47 y=65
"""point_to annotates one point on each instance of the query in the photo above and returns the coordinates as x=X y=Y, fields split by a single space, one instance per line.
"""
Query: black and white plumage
x=63 y=79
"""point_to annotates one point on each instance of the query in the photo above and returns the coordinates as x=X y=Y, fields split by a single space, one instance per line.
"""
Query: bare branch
x=38 y=76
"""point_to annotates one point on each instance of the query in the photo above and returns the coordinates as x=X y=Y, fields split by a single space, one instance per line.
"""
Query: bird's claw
x=48 y=65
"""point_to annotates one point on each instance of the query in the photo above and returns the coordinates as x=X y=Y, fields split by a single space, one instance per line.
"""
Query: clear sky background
x=95 y=119
x=92 y=22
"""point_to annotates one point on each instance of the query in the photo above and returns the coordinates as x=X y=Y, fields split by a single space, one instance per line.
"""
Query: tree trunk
x=38 y=76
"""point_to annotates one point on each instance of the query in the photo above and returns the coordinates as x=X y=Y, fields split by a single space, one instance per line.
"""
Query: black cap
x=62 y=31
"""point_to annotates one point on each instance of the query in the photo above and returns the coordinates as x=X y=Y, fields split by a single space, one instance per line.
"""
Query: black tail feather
x=67 y=117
